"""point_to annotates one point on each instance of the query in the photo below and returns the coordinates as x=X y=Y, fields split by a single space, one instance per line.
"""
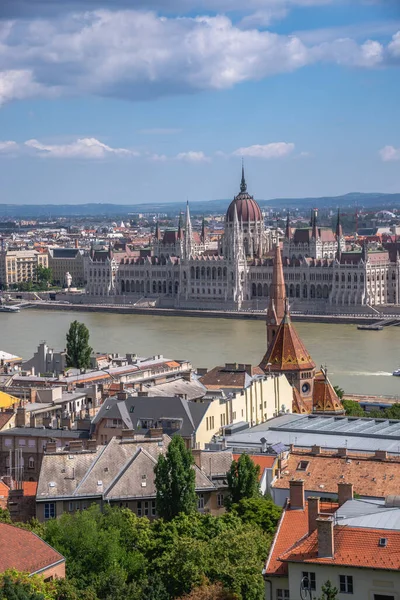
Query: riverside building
x=181 y=268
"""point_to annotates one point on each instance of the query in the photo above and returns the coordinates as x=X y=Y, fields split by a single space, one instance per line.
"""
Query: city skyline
x=160 y=102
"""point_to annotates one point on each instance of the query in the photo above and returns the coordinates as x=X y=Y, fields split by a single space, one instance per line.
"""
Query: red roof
x=264 y=461
x=353 y=547
x=246 y=207
x=25 y=551
x=29 y=488
x=292 y=527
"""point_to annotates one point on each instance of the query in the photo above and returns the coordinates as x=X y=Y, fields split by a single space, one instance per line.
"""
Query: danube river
x=359 y=361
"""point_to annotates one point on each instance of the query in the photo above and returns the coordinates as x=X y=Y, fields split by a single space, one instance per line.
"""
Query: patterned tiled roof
x=325 y=398
x=353 y=547
x=25 y=550
x=287 y=352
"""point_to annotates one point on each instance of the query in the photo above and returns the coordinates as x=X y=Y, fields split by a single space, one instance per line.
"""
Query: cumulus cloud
x=81 y=148
x=266 y=151
x=389 y=153
x=8 y=147
x=192 y=156
x=139 y=55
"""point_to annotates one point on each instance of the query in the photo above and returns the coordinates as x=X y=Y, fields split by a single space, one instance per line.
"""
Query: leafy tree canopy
x=78 y=349
x=175 y=481
x=243 y=479
x=329 y=592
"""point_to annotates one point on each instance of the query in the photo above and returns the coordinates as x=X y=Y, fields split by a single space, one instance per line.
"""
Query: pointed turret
x=203 y=230
x=339 y=229
x=110 y=250
x=180 y=230
x=314 y=224
x=277 y=297
x=188 y=233
x=243 y=184
x=288 y=231
x=325 y=399
x=364 y=251
x=157 y=234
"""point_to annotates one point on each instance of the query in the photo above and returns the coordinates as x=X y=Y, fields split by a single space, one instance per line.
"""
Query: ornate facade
x=182 y=268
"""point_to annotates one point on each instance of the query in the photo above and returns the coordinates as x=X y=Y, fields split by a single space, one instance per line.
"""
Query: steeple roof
x=277 y=290
x=286 y=351
x=325 y=398
x=339 y=230
x=243 y=184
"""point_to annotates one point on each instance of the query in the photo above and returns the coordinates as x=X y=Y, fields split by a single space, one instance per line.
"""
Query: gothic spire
x=288 y=231
x=314 y=224
x=180 y=234
x=203 y=230
x=339 y=229
x=277 y=296
x=243 y=184
x=188 y=232
x=158 y=233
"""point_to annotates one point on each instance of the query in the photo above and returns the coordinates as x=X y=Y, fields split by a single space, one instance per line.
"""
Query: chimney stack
x=326 y=546
x=316 y=449
x=313 y=513
x=345 y=492
x=296 y=488
x=381 y=455
x=342 y=452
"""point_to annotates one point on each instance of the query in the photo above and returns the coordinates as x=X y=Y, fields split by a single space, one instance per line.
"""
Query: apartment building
x=67 y=260
x=19 y=266
x=354 y=544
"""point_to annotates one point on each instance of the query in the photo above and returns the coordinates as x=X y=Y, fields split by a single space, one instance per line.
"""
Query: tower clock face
x=305 y=388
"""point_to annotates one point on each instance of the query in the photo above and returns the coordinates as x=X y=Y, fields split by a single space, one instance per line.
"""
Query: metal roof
x=369 y=514
x=354 y=433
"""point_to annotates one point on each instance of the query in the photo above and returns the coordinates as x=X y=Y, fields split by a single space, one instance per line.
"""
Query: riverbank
x=207 y=314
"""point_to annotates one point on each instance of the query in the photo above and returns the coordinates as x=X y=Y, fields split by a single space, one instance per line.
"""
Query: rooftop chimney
x=316 y=449
x=326 y=545
x=345 y=492
x=296 y=488
x=381 y=455
x=51 y=447
x=342 y=451
x=313 y=513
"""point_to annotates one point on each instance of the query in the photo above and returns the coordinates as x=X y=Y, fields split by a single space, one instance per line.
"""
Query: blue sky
x=130 y=101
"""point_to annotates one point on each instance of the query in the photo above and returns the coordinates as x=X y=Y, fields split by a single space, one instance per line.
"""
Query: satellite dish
x=305 y=591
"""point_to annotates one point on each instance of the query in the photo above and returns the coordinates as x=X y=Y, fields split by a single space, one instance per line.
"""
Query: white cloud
x=389 y=153
x=264 y=17
x=138 y=55
x=81 y=148
x=193 y=156
x=8 y=146
x=267 y=151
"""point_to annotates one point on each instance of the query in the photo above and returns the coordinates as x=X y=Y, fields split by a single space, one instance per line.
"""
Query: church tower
x=277 y=297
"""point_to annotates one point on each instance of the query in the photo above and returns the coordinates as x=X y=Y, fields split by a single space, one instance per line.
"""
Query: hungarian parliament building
x=183 y=269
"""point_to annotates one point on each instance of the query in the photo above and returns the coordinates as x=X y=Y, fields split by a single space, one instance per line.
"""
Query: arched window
x=259 y=290
x=254 y=290
x=31 y=462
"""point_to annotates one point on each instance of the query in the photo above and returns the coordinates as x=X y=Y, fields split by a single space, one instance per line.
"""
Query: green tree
x=262 y=512
x=339 y=391
x=21 y=586
x=243 y=480
x=329 y=592
x=44 y=275
x=78 y=349
x=352 y=408
x=175 y=481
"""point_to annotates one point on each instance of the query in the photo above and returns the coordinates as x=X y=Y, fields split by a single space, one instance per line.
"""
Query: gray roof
x=46 y=432
x=355 y=433
x=369 y=514
x=121 y=469
x=191 y=390
x=64 y=252
x=157 y=407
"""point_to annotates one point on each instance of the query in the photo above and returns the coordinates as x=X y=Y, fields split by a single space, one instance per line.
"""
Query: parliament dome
x=246 y=207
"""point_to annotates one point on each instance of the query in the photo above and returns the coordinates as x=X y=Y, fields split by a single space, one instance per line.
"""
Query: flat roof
x=354 y=433
x=45 y=432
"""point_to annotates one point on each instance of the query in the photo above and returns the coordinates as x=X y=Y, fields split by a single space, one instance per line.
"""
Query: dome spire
x=243 y=184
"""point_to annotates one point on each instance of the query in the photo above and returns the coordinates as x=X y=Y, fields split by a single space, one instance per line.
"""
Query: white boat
x=396 y=373
x=9 y=309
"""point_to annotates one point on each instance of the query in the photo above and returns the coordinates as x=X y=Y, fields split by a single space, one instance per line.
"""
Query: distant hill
x=366 y=200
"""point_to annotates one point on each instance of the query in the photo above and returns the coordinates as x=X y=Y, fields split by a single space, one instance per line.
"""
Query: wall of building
x=366 y=582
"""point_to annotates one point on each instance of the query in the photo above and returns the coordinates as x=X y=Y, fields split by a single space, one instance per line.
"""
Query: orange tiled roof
x=287 y=352
x=4 y=489
x=263 y=461
x=298 y=405
x=325 y=398
x=29 y=488
x=353 y=547
x=25 y=550
x=370 y=477
x=292 y=527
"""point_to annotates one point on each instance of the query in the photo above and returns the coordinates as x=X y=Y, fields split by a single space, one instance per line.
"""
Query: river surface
x=359 y=361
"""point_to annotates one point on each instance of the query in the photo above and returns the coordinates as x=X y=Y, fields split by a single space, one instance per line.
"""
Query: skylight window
x=303 y=465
